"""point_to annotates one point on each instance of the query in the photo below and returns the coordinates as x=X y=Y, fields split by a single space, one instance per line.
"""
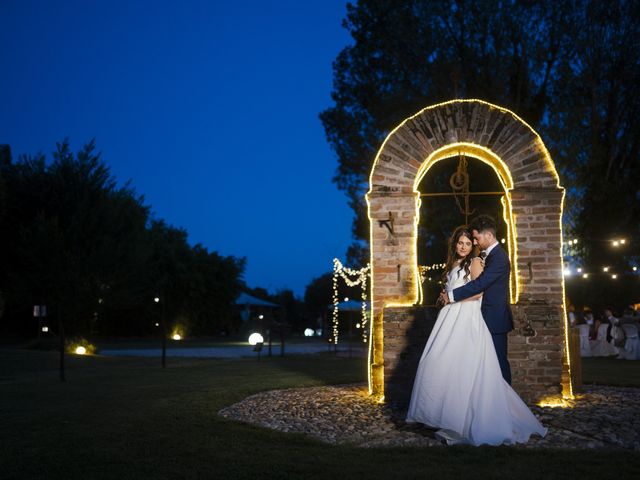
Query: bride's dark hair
x=452 y=256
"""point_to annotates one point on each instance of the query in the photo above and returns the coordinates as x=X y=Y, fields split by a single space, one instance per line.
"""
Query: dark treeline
x=72 y=239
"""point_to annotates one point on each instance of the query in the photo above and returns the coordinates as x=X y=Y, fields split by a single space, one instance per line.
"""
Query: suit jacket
x=493 y=283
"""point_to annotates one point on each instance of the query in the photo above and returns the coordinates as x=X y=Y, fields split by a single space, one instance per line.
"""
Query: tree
x=596 y=106
x=72 y=239
x=71 y=234
x=5 y=160
x=197 y=288
x=594 y=136
x=317 y=297
x=407 y=55
x=569 y=69
x=291 y=311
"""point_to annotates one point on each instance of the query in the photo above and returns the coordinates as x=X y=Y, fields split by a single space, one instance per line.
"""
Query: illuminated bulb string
x=347 y=274
x=503 y=172
x=426 y=268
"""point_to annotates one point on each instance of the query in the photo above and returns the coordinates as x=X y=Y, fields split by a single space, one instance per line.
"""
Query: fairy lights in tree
x=352 y=278
x=586 y=271
x=424 y=269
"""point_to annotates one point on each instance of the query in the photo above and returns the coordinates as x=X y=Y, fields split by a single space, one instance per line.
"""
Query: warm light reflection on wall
x=567 y=389
x=415 y=293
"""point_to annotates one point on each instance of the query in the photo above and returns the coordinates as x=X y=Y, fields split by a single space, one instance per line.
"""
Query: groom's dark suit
x=493 y=283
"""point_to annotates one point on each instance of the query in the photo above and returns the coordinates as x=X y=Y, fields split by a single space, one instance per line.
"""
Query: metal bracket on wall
x=387 y=223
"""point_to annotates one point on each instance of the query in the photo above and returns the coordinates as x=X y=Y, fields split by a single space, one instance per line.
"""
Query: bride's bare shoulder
x=476 y=267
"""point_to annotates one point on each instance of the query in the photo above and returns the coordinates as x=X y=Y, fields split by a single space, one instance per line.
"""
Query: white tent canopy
x=350 y=306
x=249 y=300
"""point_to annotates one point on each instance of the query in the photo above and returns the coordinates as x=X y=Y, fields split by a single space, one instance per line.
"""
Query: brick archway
x=533 y=211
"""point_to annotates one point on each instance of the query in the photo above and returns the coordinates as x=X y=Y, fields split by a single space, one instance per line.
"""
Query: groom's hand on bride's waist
x=444 y=298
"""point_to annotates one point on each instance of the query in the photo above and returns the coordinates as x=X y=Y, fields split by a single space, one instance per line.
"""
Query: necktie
x=483 y=255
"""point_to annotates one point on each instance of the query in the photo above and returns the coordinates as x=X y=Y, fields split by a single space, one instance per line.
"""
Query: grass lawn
x=128 y=418
x=611 y=371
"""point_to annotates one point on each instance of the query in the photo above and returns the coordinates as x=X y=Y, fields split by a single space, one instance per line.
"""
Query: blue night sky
x=210 y=108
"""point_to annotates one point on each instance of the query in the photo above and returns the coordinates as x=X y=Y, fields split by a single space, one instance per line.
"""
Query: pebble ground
x=344 y=414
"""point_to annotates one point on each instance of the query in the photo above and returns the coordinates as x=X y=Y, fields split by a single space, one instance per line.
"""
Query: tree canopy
x=72 y=239
x=568 y=68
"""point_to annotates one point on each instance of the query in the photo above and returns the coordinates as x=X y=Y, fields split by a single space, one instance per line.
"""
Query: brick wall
x=406 y=330
x=535 y=197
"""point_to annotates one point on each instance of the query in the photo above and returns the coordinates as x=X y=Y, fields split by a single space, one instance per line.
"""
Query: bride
x=459 y=387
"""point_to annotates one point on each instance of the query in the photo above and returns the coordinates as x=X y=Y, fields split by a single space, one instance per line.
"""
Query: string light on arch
x=412 y=293
x=352 y=278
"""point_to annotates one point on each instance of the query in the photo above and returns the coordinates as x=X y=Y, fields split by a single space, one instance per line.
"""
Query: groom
x=493 y=283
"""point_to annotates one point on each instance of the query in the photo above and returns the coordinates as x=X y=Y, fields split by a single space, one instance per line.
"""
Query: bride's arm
x=475 y=269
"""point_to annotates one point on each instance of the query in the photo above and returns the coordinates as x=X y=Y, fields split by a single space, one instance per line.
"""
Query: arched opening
x=455 y=190
x=494 y=177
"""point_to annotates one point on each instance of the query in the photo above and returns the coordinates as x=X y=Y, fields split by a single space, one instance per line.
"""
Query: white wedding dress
x=459 y=387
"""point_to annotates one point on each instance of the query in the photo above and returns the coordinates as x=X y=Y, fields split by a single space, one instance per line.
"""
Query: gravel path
x=345 y=414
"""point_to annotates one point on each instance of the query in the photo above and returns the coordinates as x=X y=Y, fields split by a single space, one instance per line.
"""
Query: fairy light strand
x=348 y=275
x=424 y=269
